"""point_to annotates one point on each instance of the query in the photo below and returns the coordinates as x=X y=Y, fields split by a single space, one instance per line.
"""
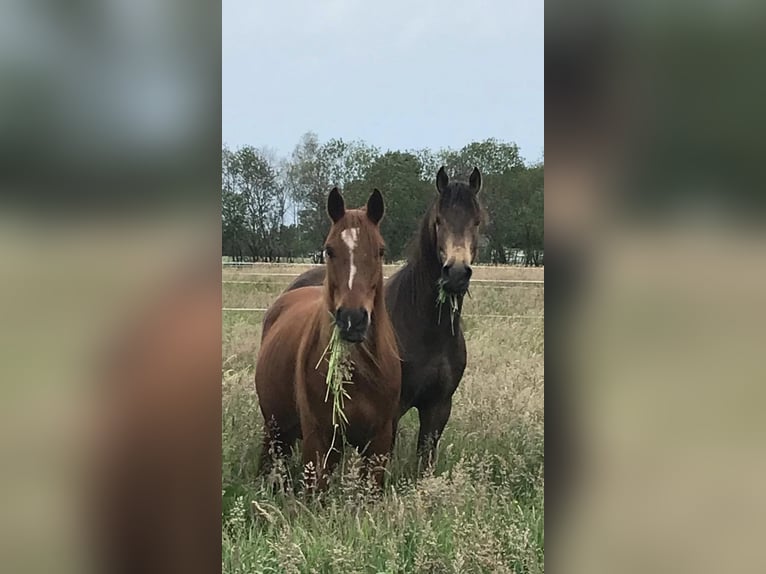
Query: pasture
x=480 y=510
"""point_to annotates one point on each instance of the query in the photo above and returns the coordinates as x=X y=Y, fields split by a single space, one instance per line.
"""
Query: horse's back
x=312 y=277
x=284 y=326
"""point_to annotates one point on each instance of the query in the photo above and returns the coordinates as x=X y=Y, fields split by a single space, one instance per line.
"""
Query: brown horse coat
x=296 y=330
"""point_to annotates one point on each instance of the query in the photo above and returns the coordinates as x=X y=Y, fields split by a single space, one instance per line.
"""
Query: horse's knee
x=434 y=417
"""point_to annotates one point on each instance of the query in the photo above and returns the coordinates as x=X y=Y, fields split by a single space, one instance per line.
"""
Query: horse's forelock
x=458 y=195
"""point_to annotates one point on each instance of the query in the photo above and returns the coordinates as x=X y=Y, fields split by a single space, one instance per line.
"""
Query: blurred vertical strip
x=110 y=299
x=655 y=286
x=578 y=54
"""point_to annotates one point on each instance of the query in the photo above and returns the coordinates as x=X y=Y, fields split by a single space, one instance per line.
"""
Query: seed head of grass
x=339 y=371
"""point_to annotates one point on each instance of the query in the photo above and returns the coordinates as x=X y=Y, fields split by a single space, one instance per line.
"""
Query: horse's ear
x=375 y=207
x=475 y=180
x=335 y=206
x=442 y=179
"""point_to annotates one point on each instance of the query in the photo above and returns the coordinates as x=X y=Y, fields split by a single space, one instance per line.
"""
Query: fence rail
x=263 y=309
x=493 y=283
x=286 y=283
x=397 y=264
x=293 y=276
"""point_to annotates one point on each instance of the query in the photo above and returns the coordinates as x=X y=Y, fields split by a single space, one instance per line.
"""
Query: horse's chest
x=365 y=417
x=366 y=408
x=433 y=375
x=440 y=371
x=440 y=358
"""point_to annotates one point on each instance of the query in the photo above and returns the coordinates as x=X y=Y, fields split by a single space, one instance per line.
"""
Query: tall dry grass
x=480 y=510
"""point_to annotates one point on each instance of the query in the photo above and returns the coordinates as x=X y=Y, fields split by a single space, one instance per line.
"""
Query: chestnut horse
x=290 y=374
x=432 y=347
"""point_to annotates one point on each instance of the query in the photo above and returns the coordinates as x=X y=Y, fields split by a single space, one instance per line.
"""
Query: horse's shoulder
x=312 y=277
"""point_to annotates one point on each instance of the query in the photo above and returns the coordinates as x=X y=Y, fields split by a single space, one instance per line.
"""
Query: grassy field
x=481 y=510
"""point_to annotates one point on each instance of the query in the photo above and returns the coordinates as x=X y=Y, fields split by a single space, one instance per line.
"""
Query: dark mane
x=458 y=193
x=421 y=272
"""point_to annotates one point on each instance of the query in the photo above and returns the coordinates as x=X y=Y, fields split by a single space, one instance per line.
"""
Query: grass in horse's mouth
x=442 y=297
x=339 y=368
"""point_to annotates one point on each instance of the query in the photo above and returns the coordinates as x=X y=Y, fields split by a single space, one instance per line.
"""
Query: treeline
x=273 y=208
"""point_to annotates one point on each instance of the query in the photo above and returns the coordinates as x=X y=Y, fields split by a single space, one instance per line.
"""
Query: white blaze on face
x=350 y=237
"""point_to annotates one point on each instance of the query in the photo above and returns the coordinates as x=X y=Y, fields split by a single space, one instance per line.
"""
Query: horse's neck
x=425 y=277
x=374 y=362
x=381 y=322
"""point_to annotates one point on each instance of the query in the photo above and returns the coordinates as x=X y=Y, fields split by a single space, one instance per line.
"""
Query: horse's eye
x=438 y=220
x=382 y=251
x=329 y=252
x=477 y=223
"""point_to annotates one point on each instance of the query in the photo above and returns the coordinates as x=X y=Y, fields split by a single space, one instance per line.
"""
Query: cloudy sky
x=399 y=74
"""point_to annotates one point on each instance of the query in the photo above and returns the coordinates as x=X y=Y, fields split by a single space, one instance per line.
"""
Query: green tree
x=233 y=211
x=407 y=196
x=258 y=189
x=313 y=170
x=254 y=180
x=497 y=196
x=430 y=161
x=491 y=156
x=528 y=214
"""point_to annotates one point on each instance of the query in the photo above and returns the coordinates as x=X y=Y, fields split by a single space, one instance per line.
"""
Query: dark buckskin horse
x=433 y=355
x=296 y=331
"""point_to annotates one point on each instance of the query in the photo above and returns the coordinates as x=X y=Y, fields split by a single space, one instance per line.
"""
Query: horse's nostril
x=349 y=320
x=456 y=274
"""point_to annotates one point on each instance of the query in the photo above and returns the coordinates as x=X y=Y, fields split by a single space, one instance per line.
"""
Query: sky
x=398 y=74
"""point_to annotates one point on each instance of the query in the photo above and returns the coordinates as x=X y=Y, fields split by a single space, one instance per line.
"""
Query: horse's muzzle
x=456 y=277
x=352 y=323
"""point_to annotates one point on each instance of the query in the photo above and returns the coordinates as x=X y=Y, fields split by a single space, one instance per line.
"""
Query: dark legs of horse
x=394 y=428
x=433 y=418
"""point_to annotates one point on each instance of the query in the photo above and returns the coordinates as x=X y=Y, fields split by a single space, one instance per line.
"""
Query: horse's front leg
x=321 y=454
x=377 y=454
x=433 y=419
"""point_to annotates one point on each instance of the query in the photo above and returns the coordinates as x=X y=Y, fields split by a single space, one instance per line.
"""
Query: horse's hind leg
x=433 y=419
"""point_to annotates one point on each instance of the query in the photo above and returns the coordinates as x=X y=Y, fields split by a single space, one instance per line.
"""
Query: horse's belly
x=275 y=371
x=274 y=384
x=366 y=411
